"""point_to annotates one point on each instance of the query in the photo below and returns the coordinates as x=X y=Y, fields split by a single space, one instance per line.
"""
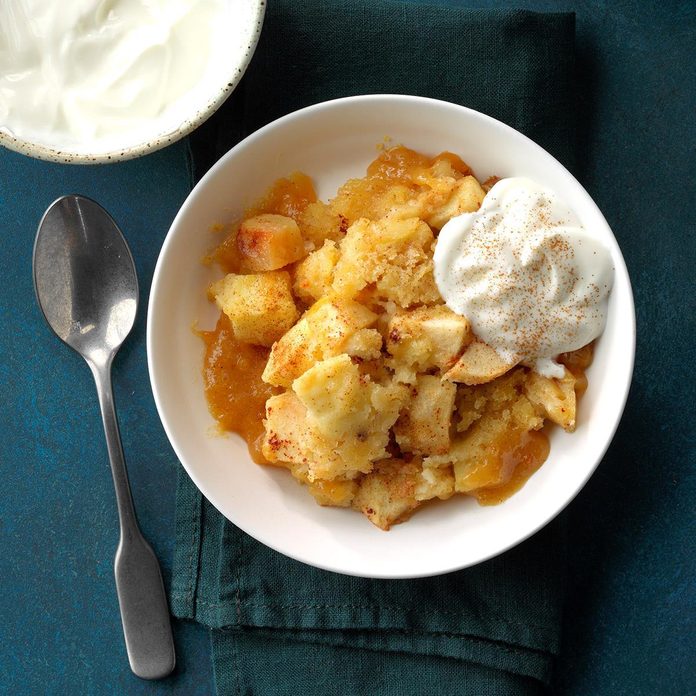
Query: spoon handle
x=141 y=595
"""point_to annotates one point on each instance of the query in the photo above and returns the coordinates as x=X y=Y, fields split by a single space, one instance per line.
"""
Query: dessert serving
x=410 y=338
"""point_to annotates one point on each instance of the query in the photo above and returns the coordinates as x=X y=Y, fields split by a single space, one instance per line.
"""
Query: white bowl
x=332 y=142
x=236 y=33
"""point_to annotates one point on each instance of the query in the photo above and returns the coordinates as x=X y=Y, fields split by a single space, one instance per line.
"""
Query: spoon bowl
x=80 y=240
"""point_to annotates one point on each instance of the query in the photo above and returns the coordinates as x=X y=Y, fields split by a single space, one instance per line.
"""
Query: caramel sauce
x=233 y=386
x=516 y=461
x=396 y=164
x=402 y=165
x=288 y=196
x=226 y=254
x=232 y=370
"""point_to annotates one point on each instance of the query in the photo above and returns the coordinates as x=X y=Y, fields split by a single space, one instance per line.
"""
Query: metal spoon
x=87 y=289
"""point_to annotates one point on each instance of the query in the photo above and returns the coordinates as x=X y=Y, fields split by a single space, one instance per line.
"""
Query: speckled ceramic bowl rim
x=50 y=154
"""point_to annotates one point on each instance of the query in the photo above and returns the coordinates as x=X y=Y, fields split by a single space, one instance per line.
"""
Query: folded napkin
x=281 y=627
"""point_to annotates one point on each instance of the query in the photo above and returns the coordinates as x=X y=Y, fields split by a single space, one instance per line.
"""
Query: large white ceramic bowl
x=331 y=142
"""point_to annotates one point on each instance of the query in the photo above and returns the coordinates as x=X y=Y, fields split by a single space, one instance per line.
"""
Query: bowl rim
x=160 y=140
x=215 y=500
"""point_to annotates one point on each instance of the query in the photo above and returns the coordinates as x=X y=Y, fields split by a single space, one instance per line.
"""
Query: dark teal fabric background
x=629 y=616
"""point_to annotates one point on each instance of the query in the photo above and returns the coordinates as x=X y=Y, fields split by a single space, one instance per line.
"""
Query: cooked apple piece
x=478 y=458
x=350 y=411
x=424 y=424
x=292 y=438
x=493 y=446
x=578 y=360
x=555 y=397
x=295 y=352
x=466 y=196
x=529 y=454
x=387 y=495
x=260 y=306
x=288 y=436
x=478 y=364
x=424 y=338
x=321 y=333
x=268 y=242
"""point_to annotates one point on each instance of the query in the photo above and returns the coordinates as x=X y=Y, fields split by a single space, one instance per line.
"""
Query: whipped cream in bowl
x=104 y=80
x=533 y=282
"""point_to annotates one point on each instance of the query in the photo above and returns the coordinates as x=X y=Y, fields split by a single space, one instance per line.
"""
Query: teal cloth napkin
x=281 y=627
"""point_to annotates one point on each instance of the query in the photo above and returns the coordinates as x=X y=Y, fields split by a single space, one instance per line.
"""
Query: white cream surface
x=523 y=270
x=92 y=75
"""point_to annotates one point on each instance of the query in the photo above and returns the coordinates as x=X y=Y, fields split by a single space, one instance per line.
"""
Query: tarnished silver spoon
x=87 y=289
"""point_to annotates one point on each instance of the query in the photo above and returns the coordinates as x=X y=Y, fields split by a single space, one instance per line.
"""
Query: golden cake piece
x=319 y=222
x=393 y=255
x=314 y=274
x=260 y=306
x=434 y=483
x=365 y=344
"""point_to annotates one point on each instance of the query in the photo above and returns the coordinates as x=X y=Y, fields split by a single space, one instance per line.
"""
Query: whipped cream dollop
x=523 y=270
x=91 y=73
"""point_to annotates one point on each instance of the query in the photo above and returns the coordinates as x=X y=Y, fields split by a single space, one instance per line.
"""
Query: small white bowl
x=239 y=30
x=331 y=142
